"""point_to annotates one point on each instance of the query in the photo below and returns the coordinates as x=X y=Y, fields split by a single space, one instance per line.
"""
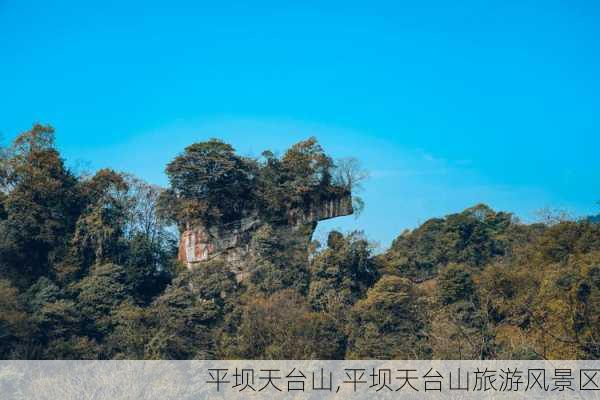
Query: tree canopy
x=88 y=269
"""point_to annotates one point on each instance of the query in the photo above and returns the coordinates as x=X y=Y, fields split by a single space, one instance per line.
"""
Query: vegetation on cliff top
x=212 y=184
x=88 y=270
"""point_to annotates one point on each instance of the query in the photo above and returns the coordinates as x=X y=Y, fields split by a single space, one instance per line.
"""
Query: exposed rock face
x=232 y=242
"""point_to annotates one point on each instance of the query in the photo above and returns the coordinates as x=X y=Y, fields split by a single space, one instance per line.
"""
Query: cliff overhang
x=231 y=242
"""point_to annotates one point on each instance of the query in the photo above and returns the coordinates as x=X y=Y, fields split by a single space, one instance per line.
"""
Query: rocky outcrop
x=232 y=242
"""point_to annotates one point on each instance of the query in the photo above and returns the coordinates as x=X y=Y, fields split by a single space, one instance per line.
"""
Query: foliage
x=88 y=269
x=209 y=182
x=474 y=237
x=41 y=204
x=386 y=324
x=282 y=326
x=13 y=319
x=278 y=266
x=341 y=274
x=455 y=284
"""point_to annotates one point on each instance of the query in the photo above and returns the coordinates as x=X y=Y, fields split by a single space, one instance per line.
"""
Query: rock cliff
x=233 y=242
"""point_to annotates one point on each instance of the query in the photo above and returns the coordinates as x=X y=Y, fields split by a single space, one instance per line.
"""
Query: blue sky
x=448 y=104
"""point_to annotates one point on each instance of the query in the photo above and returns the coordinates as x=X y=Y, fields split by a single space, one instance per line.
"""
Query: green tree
x=474 y=237
x=454 y=284
x=209 y=182
x=282 y=326
x=186 y=314
x=99 y=293
x=131 y=327
x=99 y=234
x=341 y=273
x=41 y=205
x=279 y=263
x=13 y=320
x=387 y=323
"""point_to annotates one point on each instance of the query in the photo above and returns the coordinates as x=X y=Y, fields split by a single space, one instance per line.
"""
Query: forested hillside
x=88 y=269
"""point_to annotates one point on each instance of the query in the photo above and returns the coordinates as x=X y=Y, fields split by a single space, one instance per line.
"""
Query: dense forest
x=88 y=270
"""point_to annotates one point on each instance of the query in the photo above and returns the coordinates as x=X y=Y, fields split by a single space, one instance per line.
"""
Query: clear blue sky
x=447 y=103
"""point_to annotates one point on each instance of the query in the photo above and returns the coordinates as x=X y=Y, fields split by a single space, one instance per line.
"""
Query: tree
x=99 y=232
x=308 y=170
x=549 y=216
x=98 y=294
x=143 y=213
x=473 y=237
x=280 y=262
x=341 y=274
x=282 y=326
x=149 y=266
x=130 y=332
x=41 y=205
x=185 y=315
x=348 y=173
x=455 y=284
x=308 y=164
x=151 y=241
x=298 y=180
x=386 y=324
x=209 y=182
x=60 y=333
x=13 y=319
